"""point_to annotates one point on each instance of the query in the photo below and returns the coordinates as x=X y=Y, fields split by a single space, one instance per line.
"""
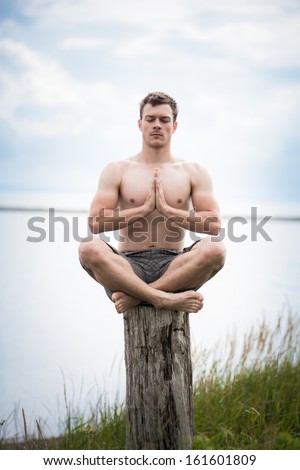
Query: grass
x=252 y=399
x=244 y=398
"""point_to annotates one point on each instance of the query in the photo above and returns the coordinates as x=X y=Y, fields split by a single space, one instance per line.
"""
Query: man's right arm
x=105 y=215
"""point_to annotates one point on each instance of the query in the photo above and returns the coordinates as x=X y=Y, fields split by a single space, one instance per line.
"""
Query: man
x=148 y=199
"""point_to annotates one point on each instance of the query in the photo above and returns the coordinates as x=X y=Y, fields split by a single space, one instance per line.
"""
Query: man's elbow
x=215 y=230
x=94 y=225
x=214 y=226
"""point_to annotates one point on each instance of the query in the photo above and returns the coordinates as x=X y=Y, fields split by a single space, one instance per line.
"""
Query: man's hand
x=149 y=204
x=160 y=201
x=156 y=198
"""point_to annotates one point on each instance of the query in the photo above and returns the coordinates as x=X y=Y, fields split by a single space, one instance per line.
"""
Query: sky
x=72 y=74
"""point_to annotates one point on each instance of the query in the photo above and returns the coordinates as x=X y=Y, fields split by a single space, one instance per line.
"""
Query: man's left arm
x=205 y=218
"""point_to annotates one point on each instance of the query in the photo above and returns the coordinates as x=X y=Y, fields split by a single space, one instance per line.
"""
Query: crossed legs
x=187 y=271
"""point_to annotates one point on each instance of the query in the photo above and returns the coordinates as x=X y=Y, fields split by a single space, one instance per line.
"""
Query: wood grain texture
x=159 y=390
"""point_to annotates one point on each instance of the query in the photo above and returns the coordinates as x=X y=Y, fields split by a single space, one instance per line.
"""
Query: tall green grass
x=245 y=397
x=251 y=400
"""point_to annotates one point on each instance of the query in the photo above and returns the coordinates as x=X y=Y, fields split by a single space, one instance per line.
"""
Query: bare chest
x=136 y=184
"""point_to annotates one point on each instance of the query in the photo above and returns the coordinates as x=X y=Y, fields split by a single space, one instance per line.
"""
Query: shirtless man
x=149 y=198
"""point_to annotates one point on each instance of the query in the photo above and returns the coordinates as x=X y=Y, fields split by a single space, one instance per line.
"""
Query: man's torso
x=154 y=230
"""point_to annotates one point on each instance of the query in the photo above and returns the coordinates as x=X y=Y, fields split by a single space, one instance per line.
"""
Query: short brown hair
x=156 y=98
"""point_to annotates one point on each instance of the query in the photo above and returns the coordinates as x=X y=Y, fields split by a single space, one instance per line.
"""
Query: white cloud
x=83 y=43
x=133 y=12
x=260 y=32
x=143 y=46
x=50 y=101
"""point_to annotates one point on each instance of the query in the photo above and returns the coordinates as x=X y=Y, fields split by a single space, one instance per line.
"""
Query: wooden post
x=159 y=390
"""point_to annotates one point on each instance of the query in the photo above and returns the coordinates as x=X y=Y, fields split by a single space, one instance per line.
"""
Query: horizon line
x=285 y=218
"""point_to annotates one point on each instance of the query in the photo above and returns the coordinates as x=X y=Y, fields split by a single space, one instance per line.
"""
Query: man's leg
x=192 y=269
x=187 y=271
x=115 y=273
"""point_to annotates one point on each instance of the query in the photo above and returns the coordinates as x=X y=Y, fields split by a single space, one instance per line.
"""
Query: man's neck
x=155 y=155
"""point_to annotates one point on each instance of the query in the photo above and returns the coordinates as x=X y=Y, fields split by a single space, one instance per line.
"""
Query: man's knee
x=220 y=256
x=90 y=253
x=214 y=252
x=217 y=253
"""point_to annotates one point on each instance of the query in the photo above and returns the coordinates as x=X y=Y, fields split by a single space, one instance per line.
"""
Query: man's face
x=157 y=125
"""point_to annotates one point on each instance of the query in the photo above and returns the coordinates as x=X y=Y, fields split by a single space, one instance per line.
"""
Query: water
x=57 y=327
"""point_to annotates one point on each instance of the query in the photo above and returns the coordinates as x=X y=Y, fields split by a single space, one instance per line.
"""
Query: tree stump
x=159 y=389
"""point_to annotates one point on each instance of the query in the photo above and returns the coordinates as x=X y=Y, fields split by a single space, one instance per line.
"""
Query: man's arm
x=206 y=215
x=104 y=212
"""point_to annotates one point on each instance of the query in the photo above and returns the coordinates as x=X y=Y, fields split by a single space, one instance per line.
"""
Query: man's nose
x=157 y=123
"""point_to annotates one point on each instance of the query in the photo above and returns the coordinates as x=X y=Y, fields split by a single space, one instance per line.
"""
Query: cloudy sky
x=72 y=73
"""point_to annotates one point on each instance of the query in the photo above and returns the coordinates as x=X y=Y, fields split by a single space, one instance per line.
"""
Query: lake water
x=58 y=328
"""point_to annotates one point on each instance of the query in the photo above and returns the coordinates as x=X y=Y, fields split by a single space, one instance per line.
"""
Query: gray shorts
x=148 y=265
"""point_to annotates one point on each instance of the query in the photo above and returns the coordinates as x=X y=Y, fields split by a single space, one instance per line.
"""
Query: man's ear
x=174 y=127
x=140 y=124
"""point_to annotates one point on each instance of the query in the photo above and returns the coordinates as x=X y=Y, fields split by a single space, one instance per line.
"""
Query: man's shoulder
x=197 y=173
x=116 y=167
x=192 y=167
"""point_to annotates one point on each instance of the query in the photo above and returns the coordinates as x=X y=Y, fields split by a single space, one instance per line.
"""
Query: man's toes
x=115 y=297
x=118 y=307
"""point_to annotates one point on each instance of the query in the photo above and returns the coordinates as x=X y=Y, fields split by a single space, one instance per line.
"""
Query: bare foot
x=188 y=301
x=124 y=301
